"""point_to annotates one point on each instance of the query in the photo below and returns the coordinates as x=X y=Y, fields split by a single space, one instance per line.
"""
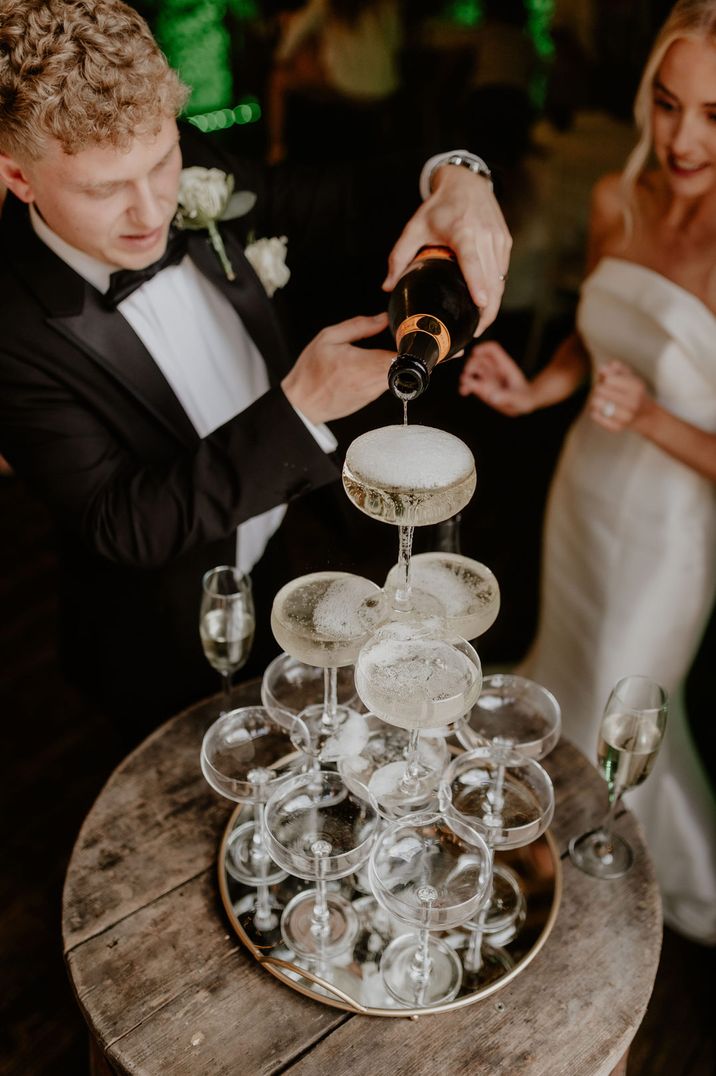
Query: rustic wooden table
x=166 y=986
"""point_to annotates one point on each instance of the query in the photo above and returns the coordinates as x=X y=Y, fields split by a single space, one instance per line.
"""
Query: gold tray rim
x=278 y=968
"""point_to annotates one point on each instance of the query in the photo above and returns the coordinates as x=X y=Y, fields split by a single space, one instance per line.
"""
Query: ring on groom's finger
x=608 y=409
x=502 y=277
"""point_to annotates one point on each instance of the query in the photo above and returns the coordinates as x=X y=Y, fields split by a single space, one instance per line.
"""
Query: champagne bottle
x=447 y=535
x=432 y=316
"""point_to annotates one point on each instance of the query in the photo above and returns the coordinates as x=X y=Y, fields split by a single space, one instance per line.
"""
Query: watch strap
x=461 y=158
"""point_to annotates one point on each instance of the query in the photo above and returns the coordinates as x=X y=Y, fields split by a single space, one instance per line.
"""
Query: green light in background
x=539 y=21
x=248 y=110
x=196 y=43
x=464 y=12
x=244 y=9
x=539 y=14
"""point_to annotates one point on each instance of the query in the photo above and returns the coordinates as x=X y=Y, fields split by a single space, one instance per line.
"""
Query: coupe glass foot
x=494 y=963
x=437 y=988
x=297 y=925
x=242 y=863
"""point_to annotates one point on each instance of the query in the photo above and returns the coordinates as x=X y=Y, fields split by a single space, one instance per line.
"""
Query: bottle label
x=425 y=323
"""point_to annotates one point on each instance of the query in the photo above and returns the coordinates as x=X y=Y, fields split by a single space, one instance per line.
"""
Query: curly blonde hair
x=82 y=72
x=692 y=19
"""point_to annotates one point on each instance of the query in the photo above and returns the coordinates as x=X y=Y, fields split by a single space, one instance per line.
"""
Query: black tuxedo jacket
x=143 y=506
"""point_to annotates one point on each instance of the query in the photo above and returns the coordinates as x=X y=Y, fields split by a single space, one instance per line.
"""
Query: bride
x=629 y=563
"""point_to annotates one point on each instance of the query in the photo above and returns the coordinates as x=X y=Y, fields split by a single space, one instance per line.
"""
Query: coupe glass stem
x=330 y=697
x=497 y=791
x=473 y=956
x=320 y=915
x=402 y=590
x=409 y=782
x=264 y=918
x=421 y=965
x=259 y=852
x=226 y=686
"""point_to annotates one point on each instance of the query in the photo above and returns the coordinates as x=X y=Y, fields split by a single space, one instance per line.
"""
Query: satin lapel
x=248 y=297
x=75 y=310
x=112 y=343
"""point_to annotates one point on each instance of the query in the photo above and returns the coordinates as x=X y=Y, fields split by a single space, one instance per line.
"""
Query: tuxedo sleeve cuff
x=320 y=433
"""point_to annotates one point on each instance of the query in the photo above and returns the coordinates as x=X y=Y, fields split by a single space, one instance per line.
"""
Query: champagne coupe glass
x=226 y=623
x=431 y=871
x=509 y=799
x=237 y=755
x=467 y=590
x=289 y=685
x=316 y=829
x=323 y=619
x=630 y=735
x=389 y=744
x=411 y=476
x=512 y=712
x=410 y=677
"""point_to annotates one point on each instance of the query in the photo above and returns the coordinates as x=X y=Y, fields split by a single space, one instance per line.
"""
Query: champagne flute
x=630 y=735
x=226 y=623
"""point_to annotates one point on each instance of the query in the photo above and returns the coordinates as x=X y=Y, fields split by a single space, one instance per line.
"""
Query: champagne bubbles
x=410 y=677
x=467 y=590
x=409 y=475
x=324 y=618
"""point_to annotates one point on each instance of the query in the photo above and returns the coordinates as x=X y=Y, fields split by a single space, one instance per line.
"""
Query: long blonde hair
x=694 y=19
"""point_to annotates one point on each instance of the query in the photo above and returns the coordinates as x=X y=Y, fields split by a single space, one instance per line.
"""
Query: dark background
x=58 y=749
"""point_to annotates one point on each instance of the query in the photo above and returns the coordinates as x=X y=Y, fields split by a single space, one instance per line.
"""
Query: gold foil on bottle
x=425 y=323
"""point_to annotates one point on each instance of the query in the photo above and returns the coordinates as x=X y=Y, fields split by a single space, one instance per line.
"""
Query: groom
x=157 y=411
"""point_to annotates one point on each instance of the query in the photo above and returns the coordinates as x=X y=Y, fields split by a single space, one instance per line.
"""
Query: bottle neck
x=409 y=374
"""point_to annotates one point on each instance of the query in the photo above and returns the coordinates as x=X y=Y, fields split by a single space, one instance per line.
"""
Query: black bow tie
x=125 y=281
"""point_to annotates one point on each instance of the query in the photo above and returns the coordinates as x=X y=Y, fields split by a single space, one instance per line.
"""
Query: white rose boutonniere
x=268 y=260
x=206 y=195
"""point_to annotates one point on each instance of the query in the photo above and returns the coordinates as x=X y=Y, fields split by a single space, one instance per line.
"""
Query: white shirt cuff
x=430 y=165
x=472 y=160
x=321 y=434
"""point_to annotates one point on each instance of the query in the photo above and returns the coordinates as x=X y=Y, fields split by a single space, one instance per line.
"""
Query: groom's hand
x=331 y=378
x=461 y=213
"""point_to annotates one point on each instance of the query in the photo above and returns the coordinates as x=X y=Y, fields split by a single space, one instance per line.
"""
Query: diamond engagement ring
x=502 y=277
x=608 y=409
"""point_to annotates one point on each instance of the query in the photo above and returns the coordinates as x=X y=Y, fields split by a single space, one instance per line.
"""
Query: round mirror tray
x=352 y=980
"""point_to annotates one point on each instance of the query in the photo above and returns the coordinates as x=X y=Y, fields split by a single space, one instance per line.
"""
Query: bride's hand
x=496 y=379
x=620 y=400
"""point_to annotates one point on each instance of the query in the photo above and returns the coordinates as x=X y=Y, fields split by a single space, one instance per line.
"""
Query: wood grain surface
x=166 y=986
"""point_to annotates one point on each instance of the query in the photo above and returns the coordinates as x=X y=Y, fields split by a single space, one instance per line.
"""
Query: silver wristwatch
x=464 y=160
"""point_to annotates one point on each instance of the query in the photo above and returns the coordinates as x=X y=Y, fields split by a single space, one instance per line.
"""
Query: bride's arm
x=620 y=400
x=494 y=377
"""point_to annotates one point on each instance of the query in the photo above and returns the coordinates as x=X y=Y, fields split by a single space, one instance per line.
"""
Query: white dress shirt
x=200 y=344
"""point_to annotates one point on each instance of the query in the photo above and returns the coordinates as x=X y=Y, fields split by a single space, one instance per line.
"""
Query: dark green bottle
x=432 y=316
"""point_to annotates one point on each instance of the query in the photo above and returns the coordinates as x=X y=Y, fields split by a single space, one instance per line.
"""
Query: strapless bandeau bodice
x=664 y=332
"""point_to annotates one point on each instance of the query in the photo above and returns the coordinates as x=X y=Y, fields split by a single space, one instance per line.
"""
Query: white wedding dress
x=629 y=567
